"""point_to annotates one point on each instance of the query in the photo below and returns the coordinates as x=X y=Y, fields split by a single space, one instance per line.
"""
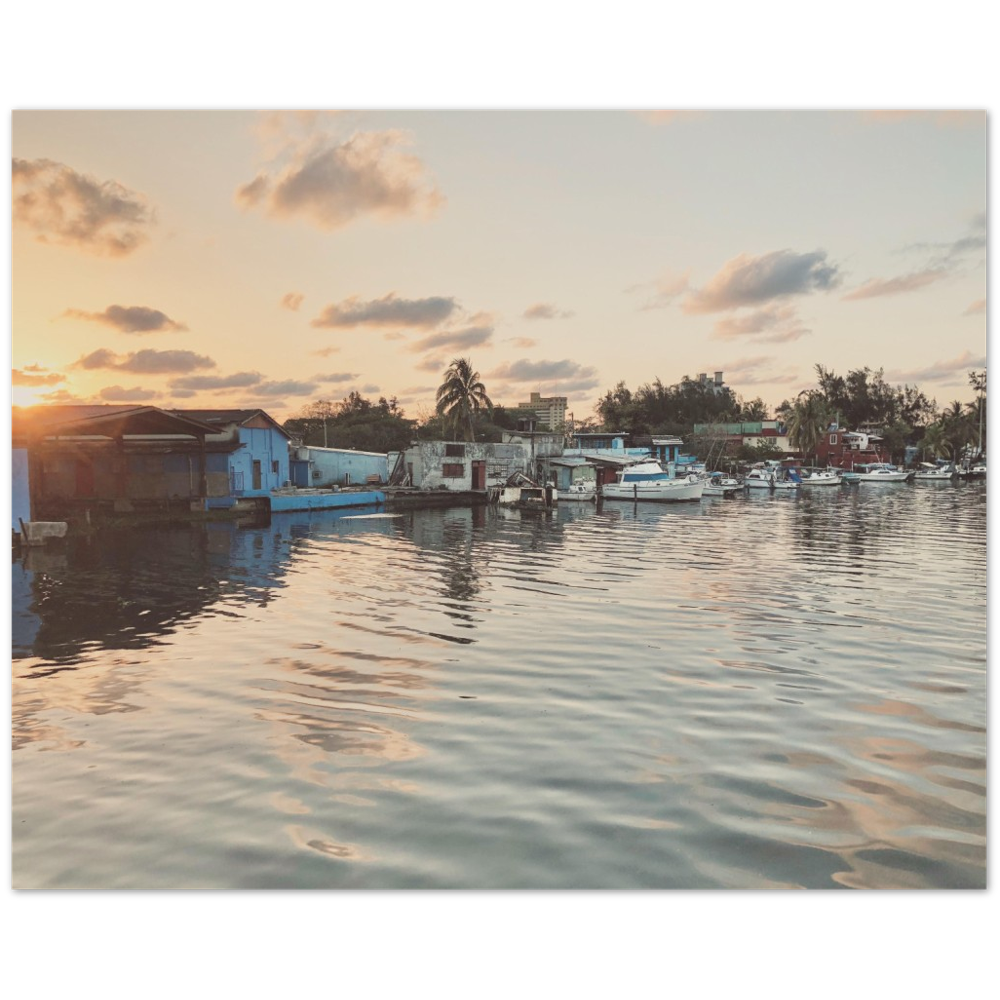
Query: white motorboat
x=580 y=489
x=928 y=473
x=648 y=480
x=881 y=472
x=764 y=478
x=823 y=477
x=718 y=485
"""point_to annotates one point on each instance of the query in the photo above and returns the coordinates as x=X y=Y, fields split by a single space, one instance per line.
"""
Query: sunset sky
x=240 y=258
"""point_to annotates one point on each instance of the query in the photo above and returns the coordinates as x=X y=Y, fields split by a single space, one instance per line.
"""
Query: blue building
x=260 y=462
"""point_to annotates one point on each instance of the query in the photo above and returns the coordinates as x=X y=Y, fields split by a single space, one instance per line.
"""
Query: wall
x=342 y=467
x=430 y=457
x=268 y=446
x=20 y=506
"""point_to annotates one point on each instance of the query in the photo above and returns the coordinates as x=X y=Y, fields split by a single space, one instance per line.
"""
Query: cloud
x=183 y=393
x=387 y=311
x=432 y=364
x=325 y=352
x=289 y=387
x=665 y=289
x=63 y=396
x=545 y=310
x=70 y=209
x=773 y=324
x=146 y=362
x=954 y=370
x=292 y=300
x=786 y=378
x=129 y=319
x=470 y=336
x=953 y=118
x=744 y=365
x=394 y=335
x=330 y=182
x=895 y=286
x=335 y=377
x=26 y=376
x=750 y=281
x=977 y=308
x=522 y=341
x=122 y=395
x=665 y=117
x=238 y=380
x=564 y=376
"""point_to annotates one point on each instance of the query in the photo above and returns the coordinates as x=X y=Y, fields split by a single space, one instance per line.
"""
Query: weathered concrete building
x=461 y=465
x=314 y=467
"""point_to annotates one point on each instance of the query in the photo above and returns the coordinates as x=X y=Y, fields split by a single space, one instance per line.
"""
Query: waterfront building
x=318 y=468
x=459 y=465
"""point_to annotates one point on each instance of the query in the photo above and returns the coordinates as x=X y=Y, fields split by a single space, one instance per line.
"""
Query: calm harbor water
x=744 y=693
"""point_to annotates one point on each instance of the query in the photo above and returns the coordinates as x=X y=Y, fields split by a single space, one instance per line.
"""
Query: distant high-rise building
x=550 y=410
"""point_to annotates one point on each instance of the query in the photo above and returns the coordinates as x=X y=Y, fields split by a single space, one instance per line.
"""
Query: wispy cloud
x=118 y=394
x=522 y=341
x=951 y=371
x=386 y=311
x=24 y=376
x=335 y=377
x=876 y=287
x=288 y=387
x=751 y=281
x=292 y=301
x=545 y=310
x=330 y=182
x=238 y=380
x=772 y=324
x=146 y=362
x=563 y=376
x=67 y=208
x=663 y=291
x=470 y=336
x=977 y=308
x=129 y=319
x=325 y=352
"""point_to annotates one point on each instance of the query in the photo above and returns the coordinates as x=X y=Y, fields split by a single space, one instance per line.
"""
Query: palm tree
x=808 y=420
x=461 y=395
x=935 y=442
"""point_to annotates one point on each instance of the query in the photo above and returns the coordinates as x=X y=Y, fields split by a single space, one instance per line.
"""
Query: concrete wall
x=20 y=505
x=343 y=467
x=429 y=459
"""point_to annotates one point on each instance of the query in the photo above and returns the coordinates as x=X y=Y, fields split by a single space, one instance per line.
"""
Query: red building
x=845 y=449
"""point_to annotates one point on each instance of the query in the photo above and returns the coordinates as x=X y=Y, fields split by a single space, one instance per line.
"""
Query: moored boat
x=580 y=489
x=648 y=480
x=719 y=485
x=765 y=478
x=823 y=477
x=881 y=472
x=928 y=473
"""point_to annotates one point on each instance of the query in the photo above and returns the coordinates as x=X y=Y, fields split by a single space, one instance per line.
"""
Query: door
x=256 y=474
x=84 y=479
x=479 y=475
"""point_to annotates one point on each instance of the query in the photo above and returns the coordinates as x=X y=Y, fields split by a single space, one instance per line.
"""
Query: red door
x=479 y=475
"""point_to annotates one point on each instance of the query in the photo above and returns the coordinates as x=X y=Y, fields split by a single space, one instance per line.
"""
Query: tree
x=808 y=420
x=461 y=396
x=355 y=422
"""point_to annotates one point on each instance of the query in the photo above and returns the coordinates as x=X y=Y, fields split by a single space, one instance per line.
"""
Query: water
x=742 y=693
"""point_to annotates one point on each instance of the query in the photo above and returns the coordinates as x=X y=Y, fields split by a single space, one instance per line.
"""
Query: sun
x=28 y=395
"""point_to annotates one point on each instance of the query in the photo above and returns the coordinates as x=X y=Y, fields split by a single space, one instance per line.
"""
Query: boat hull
x=655 y=491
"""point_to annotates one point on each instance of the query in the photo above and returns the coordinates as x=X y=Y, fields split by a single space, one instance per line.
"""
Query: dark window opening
x=454 y=450
x=453 y=470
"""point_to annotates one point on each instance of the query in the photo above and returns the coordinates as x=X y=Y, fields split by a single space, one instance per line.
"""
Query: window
x=454 y=450
x=453 y=470
x=833 y=439
x=274 y=466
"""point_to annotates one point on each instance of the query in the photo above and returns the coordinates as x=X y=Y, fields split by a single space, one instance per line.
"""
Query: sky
x=215 y=259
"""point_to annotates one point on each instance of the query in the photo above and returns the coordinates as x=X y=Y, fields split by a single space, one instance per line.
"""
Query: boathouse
x=74 y=458
x=313 y=467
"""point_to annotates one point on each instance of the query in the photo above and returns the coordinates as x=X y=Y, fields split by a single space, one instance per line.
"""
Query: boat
x=765 y=478
x=648 y=480
x=719 y=485
x=823 y=477
x=881 y=472
x=928 y=473
x=525 y=494
x=580 y=489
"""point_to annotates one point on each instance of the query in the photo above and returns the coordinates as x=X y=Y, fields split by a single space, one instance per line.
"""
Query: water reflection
x=746 y=693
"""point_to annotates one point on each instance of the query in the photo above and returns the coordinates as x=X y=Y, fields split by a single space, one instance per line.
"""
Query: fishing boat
x=580 y=489
x=525 y=494
x=648 y=480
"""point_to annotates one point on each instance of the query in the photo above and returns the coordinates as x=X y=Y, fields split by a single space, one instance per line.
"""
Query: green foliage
x=355 y=422
x=808 y=419
x=461 y=397
x=657 y=409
